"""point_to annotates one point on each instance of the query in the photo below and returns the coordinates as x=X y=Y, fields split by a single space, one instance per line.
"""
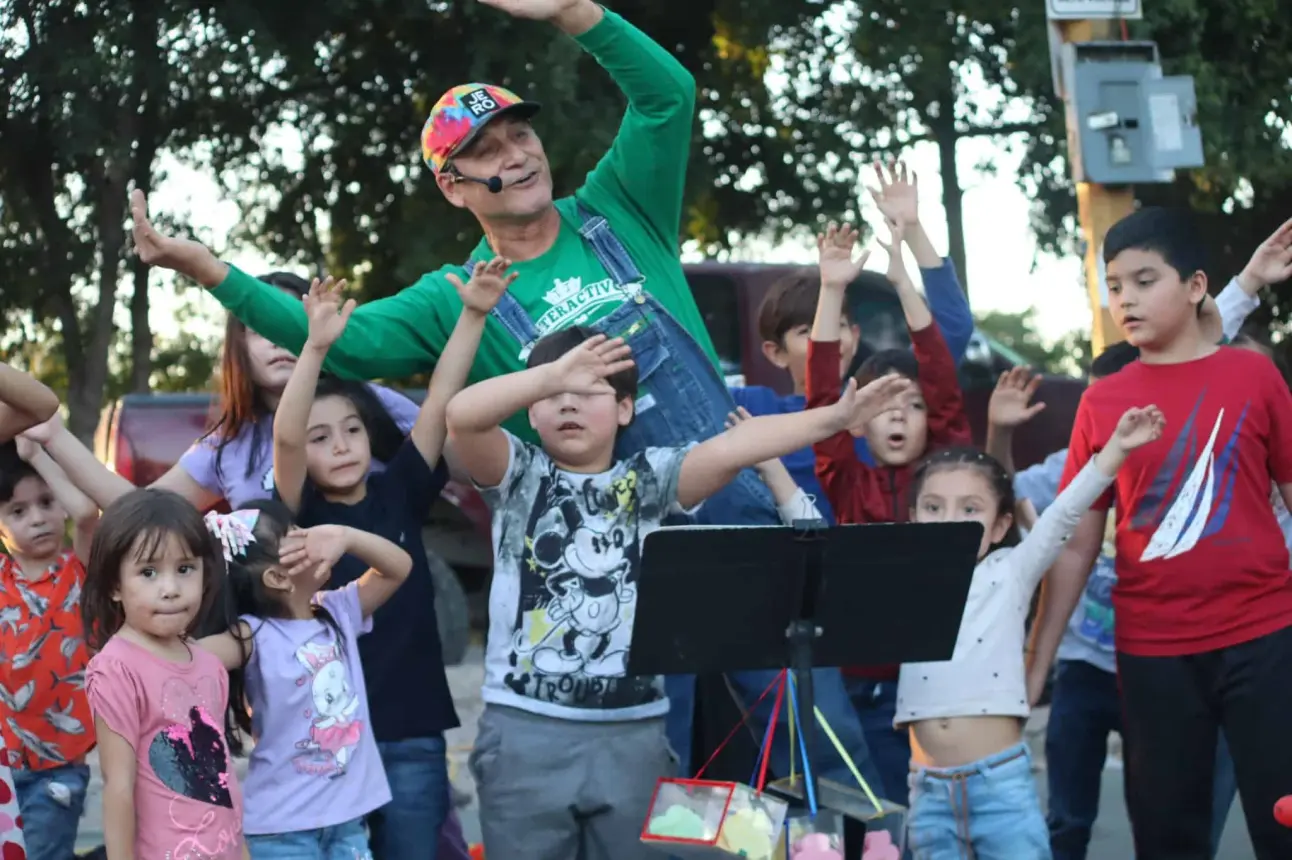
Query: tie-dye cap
x=459 y=115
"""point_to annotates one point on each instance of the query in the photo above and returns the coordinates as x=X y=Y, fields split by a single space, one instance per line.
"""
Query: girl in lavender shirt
x=296 y=682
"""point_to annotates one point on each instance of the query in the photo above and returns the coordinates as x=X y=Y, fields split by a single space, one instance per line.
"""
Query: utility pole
x=1099 y=207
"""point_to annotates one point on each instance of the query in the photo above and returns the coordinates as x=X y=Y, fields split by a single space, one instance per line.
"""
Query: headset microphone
x=493 y=183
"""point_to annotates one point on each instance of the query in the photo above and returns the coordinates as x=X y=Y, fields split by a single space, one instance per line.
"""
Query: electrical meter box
x=1127 y=124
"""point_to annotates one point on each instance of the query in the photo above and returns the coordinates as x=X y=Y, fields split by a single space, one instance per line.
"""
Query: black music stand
x=716 y=599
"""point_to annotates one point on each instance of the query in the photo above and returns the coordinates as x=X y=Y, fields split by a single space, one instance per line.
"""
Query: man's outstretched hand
x=186 y=256
x=574 y=17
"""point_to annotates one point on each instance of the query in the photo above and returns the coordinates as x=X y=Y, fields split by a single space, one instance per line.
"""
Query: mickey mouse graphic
x=587 y=561
x=587 y=601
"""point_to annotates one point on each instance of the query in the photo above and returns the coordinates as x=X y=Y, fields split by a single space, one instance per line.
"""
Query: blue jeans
x=987 y=810
x=408 y=828
x=1086 y=708
x=51 y=802
x=347 y=841
x=875 y=703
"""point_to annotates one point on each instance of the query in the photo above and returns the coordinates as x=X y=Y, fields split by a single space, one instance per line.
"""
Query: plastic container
x=692 y=818
x=885 y=826
x=814 y=837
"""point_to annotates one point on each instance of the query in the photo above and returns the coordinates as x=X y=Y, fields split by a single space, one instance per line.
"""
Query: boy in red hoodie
x=933 y=417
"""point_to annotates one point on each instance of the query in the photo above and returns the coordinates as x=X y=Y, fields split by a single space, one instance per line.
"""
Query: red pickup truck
x=142 y=436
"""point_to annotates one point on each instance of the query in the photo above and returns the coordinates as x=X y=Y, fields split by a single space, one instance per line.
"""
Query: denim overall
x=682 y=399
x=681 y=396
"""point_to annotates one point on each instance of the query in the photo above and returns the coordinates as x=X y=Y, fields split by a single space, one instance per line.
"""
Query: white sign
x=1075 y=10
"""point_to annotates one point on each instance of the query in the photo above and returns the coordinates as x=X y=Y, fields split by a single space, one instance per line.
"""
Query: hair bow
x=235 y=531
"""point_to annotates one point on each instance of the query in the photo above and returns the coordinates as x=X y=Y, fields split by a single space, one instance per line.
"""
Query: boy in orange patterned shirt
x=46 y=729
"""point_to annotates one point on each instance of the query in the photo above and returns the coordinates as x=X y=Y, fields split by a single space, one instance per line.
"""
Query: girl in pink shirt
x=169 y=787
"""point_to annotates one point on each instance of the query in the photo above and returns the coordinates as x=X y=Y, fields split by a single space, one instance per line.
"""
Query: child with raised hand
x=321 y=457
x=169 y=785
x=569 y=520
x=298 y=686
x=46 y=728
x=972 y=790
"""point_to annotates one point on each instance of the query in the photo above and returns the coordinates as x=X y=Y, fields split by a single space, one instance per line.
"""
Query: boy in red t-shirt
x=1204 y=598
x=46 y=729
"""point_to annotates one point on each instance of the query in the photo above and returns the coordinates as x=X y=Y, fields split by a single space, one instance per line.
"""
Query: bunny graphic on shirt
x=334 y=730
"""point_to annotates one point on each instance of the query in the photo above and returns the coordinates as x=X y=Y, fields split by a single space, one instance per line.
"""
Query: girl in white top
x=972 y=792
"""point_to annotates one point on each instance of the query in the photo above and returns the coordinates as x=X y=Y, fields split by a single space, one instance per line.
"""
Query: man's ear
x=775 y=353
x=451 y=188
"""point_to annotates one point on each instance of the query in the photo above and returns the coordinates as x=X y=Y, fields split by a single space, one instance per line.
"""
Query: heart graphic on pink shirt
x=191 y=759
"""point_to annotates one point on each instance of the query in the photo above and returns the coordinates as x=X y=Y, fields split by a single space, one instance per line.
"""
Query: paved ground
x=1111 y=838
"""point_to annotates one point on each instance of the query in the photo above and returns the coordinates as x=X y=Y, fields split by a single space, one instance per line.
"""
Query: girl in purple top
x=296 y=682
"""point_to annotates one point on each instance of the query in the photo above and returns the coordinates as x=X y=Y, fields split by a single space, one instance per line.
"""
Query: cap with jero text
x=459 y=116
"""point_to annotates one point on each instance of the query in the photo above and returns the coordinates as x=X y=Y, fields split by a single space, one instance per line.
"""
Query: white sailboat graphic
x=1178 y=534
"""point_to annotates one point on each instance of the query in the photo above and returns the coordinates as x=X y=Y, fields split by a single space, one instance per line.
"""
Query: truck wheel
x=452 y=613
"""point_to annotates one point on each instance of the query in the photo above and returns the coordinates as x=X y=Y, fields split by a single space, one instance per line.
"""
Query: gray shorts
x=555 y=789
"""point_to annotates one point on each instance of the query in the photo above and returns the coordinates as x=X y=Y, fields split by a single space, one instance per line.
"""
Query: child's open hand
x=44 y=432
x=326 y=312
x=1138 y=426
x=585 y=369
x=487 y=284
x=834 y=249
x=898 y=194
x=856 y=408
x=313 y=552
x=1011 y=403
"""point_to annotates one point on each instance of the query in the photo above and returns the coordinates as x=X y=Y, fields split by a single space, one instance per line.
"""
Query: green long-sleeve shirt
x=637 y=186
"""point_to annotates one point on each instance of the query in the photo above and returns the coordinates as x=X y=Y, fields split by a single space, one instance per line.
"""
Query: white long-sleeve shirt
x=985 y=676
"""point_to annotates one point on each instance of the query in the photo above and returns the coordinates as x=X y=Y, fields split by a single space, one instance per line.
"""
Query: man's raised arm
x=393 y=337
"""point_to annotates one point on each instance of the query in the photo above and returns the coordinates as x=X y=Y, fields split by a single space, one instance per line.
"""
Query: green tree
x=92 y=91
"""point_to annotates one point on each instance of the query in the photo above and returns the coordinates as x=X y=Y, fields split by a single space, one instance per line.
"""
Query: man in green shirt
x=607 y=257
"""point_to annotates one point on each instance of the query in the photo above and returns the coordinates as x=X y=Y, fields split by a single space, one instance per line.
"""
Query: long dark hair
x=241 y=404
x=136 y=527
x=961 y=457
x=247 y=595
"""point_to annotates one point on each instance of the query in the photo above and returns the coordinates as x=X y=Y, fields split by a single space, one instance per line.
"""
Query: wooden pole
x=1099 y=207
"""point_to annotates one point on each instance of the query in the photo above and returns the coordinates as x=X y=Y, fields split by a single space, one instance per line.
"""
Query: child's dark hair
x=384 y=435
x=13 y=469
x=246 y=594
x=1172 y=233
x=955 y=459
x=900 y=361
x=135 y=528
x=791 y=302
x=1115 y=357
x=558 y=343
